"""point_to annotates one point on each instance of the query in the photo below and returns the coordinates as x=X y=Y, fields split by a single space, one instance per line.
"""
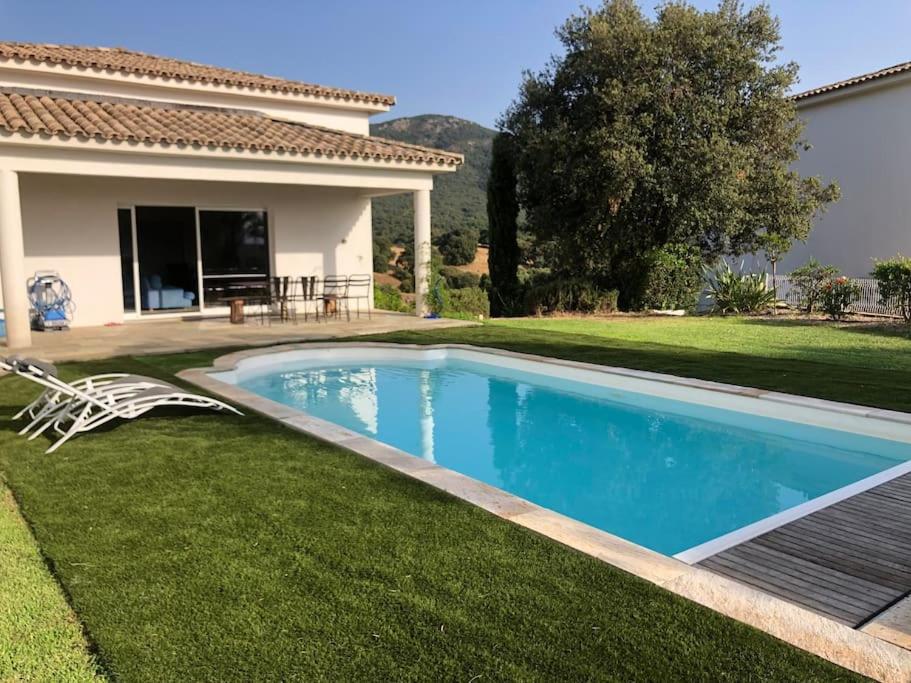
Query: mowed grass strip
x=870 y=367
x=870 y=344
x=210 y=547
x=40 y=638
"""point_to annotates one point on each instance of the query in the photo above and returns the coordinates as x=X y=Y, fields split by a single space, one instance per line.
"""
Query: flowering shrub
x=809 y=280
x=838 y=295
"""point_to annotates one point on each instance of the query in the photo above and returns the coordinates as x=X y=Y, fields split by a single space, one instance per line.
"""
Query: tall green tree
x=459 y=247
x=502 y=219
x=649 y=132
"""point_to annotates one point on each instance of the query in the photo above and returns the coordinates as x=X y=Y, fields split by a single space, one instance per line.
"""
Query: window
x=235 y=253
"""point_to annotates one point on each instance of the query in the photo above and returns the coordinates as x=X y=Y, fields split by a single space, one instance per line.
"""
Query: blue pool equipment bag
x=51 y=301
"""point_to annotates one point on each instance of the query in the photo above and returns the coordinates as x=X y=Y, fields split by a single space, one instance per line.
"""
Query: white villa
x=153 y=186
x=860 y=137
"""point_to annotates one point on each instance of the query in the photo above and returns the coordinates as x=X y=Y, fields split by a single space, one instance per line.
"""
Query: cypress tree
x=502 y=215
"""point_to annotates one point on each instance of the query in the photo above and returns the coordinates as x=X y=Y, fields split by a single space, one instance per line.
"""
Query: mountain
x=458 y=199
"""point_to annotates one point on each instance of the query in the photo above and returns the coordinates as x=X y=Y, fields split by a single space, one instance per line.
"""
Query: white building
x=860 y=134
x=156 y=186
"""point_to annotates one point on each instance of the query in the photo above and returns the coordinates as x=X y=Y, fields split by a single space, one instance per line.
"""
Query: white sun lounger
x=126 y=397
x=56 y=391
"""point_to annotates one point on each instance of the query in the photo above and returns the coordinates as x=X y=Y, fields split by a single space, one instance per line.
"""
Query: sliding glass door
x=235 y=254
x=166 y=250
x=127 y=274
x=170 y=255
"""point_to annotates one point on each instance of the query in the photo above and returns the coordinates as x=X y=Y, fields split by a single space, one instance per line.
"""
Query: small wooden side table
x=330 y=306
x=237 y=304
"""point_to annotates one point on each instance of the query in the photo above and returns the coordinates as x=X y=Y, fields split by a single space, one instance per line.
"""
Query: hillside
x=458 y=199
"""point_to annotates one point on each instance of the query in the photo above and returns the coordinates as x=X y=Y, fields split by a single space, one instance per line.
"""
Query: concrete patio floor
x=174 y=336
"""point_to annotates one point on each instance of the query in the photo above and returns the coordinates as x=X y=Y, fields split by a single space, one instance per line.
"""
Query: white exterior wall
x=862 y=140
x=70 y=225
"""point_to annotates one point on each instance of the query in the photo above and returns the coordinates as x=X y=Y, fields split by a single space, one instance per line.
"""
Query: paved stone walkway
x=174 y=336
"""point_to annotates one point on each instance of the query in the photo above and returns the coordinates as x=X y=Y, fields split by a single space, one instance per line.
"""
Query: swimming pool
x=666 y=466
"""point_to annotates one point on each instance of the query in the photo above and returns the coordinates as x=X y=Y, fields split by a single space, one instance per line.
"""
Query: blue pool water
x=664 y=474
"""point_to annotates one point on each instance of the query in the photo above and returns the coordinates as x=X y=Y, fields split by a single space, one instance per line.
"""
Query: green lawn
x=850 y=344
x=200 y=546
x=40 y=637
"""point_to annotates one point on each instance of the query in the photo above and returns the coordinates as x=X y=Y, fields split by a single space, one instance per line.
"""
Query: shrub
x=459 y=246
x=406 y=277
x=459 y=279
x=569 y=294
x=529 y=275
x=738 y=292
x=404 y=266
x=838 y=294
x=382 y=254
x=894 y=279
x=388 y=298
x=671 y=278
x=469 y=303
x=809 y=280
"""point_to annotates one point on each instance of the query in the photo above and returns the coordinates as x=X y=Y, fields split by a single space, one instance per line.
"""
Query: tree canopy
x=458 y=246
x=650 y=132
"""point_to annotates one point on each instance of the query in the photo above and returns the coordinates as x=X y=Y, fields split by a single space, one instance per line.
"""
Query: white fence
x=868 y=302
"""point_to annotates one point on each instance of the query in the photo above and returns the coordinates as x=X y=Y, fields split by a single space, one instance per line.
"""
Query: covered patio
x=159 y=211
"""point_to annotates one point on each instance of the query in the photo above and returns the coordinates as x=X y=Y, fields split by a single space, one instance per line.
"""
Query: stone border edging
x=855 y=650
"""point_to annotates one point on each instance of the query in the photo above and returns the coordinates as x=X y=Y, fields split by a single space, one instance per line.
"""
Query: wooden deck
x=848 y=561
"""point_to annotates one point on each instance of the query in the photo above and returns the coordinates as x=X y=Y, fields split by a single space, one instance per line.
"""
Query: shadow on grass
x=169 y=414
x=881 y=328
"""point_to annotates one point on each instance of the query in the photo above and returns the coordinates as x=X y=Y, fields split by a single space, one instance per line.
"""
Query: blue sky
x=463 y=58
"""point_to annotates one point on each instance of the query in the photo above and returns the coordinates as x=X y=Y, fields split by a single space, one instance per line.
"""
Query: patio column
x=12 y=263
x=421 y=251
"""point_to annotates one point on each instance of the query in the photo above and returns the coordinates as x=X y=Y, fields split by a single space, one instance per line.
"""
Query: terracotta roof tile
x=856 y=80
x=130 y=61
x=67 y=115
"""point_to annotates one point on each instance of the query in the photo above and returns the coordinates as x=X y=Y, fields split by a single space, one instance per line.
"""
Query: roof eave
x=854 y=86
x=373 y=103
x=13 y=139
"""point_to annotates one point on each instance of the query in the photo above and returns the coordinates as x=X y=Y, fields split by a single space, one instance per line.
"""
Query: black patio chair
x=335 y=291
x=358 y=290
x=277 y=299
x=309 y=296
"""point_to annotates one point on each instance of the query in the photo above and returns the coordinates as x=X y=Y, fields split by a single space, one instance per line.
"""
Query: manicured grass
x=864 y=366
x=850 y=344
x=40 y=638
x=208 y=547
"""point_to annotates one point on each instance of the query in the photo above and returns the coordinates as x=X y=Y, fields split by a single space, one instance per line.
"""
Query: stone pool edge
x=853 y=649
